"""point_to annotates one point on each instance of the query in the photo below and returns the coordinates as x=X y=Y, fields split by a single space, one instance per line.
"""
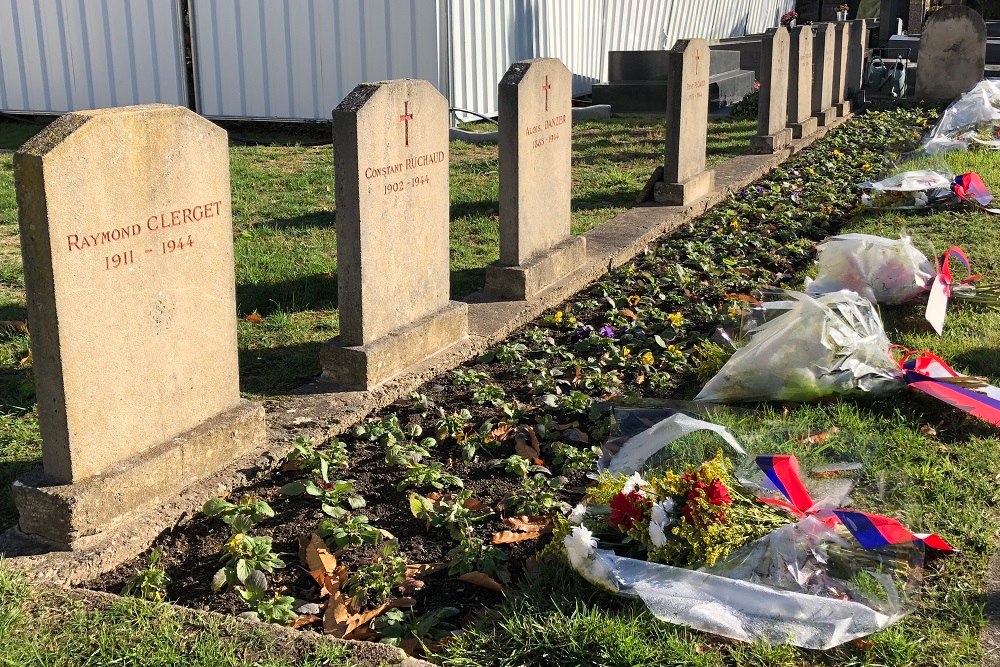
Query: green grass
x=43 y=627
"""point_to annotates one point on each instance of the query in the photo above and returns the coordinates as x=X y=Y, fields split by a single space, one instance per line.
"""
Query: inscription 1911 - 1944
x=158 y=223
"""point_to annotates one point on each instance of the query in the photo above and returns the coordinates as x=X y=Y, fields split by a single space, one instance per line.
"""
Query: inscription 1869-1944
x=158 y=223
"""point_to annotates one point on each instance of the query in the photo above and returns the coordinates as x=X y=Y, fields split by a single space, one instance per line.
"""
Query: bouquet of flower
x=776 y=565
x=788 y=17
x=687 y=519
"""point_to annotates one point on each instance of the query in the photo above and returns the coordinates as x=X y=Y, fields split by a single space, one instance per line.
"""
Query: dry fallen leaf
x=502 y=431
x=530 y=524
x=819 y=437
x=523 y=449
x=26 y=361
x=253 y=318
x=322 y=565
x=482 y=580
x=510 y=537
x=627 y=312
x=336 y=616
x=424 y=569
x=303 y=620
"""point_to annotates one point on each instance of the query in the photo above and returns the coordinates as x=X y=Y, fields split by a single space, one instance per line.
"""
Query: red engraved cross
x=406 y=118
x=697 y=63
x=546 y=88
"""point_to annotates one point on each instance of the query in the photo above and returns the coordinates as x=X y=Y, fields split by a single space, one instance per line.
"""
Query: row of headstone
x=126 y=229
x=808 y=77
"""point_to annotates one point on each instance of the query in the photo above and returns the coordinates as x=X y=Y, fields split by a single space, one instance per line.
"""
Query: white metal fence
x=65 y=55
x=296 y=59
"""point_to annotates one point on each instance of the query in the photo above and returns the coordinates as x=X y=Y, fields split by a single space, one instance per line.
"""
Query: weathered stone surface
x=840 y=53
x=800 y=56
x=772 y=115
x=684 y=176
x=857 y=47
x=391 y=168
x=824 y=42
x=126 y=235
x=952 y=53
x=85 y=512
x=536 y=148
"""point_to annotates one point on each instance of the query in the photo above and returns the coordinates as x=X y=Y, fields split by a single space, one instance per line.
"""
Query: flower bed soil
x=640 y=332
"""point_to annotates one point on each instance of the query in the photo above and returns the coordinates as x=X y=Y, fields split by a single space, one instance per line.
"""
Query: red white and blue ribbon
x=870 y=530
x=928 y=373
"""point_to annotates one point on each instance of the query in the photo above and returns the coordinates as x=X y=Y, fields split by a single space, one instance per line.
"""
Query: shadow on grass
x=315 y=292
x=278 y=370
x=319 y=219
x=466 y=281
x=985 y=360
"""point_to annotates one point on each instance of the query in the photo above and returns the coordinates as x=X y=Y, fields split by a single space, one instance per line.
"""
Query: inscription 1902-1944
x=155 y=224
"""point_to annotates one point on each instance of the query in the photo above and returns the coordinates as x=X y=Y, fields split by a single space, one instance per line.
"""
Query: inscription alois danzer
x=548 y=124
x=397 y=169
x=155 y=223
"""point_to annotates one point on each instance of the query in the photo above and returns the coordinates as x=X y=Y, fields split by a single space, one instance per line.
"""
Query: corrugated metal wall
x=487 y=35
x=299 y=58
x=65 y=55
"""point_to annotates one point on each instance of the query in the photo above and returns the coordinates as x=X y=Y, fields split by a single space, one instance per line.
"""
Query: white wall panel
x=296 y=59
x=65 y=55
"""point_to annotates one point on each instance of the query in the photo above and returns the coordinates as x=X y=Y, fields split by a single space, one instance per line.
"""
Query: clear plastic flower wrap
x=814 y=347
x=974 y=118
x=910 y=189
x=808 y=583
x=882 y=270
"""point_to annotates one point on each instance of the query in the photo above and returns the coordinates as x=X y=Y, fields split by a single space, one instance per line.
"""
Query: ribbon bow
x=870 y=530
x=926 y=372
x=944 y=270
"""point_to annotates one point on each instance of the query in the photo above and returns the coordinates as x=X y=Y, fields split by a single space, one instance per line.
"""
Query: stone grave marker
x=840 y=58
x=772 y=115
x=952 y=54
x=392 y=195
x=857 y=47
x=685 y=178
x=536 y=148
x=800 y=82
x=126 y=236
x=824 y=41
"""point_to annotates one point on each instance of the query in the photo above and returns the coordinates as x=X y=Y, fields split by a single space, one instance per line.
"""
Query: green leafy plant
x=472 y=554
x=469 y=376
x=317 y=462
x=244 y=557
x=453 y=425
x=455 y=512
x=433 y=475
x=397 y=626
x=350 y=531
x=488 y=394
x=150 y=583
x=267 y=607
x=538 y=495
x=242 y=516
x=332 y=495
x=408 y=452
x=569 y=457
x=382 y=430
x=518 y=465
x=374 y=583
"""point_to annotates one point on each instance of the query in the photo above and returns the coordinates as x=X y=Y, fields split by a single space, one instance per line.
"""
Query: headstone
x=685 y=178
x=952 y=53
x=126 y=237
x=392 y=196
x=772 y=115
x=840 y=57
x=536 y=152
x=800 y=82
x=857 y=47
x=824 y=42
x=916 y=14
x=890 y=21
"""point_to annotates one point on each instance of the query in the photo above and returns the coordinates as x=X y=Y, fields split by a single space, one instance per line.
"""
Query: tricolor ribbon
x=944 y=270
x=870 y=530
x=928 y=373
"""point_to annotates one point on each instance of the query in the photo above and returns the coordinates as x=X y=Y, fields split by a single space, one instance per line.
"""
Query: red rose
x=627 y=510
x=717 y=493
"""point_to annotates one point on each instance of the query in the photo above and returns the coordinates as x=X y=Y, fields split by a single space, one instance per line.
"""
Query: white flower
x=634 y=483
x=576 y=516
x=581 y=545
x=661 y=512
x=656 y=534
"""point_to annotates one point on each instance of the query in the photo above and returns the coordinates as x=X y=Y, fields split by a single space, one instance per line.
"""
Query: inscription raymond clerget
x=399 y=176
x=160 y=225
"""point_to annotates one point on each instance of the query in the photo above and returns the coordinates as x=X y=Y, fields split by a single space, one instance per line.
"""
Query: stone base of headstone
x=524 y=282
x=803 y=129
x=83 y=514
x=842 y=108
x=363 y=367
x=769 y=143
x=680 y=194
x=825 y=117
